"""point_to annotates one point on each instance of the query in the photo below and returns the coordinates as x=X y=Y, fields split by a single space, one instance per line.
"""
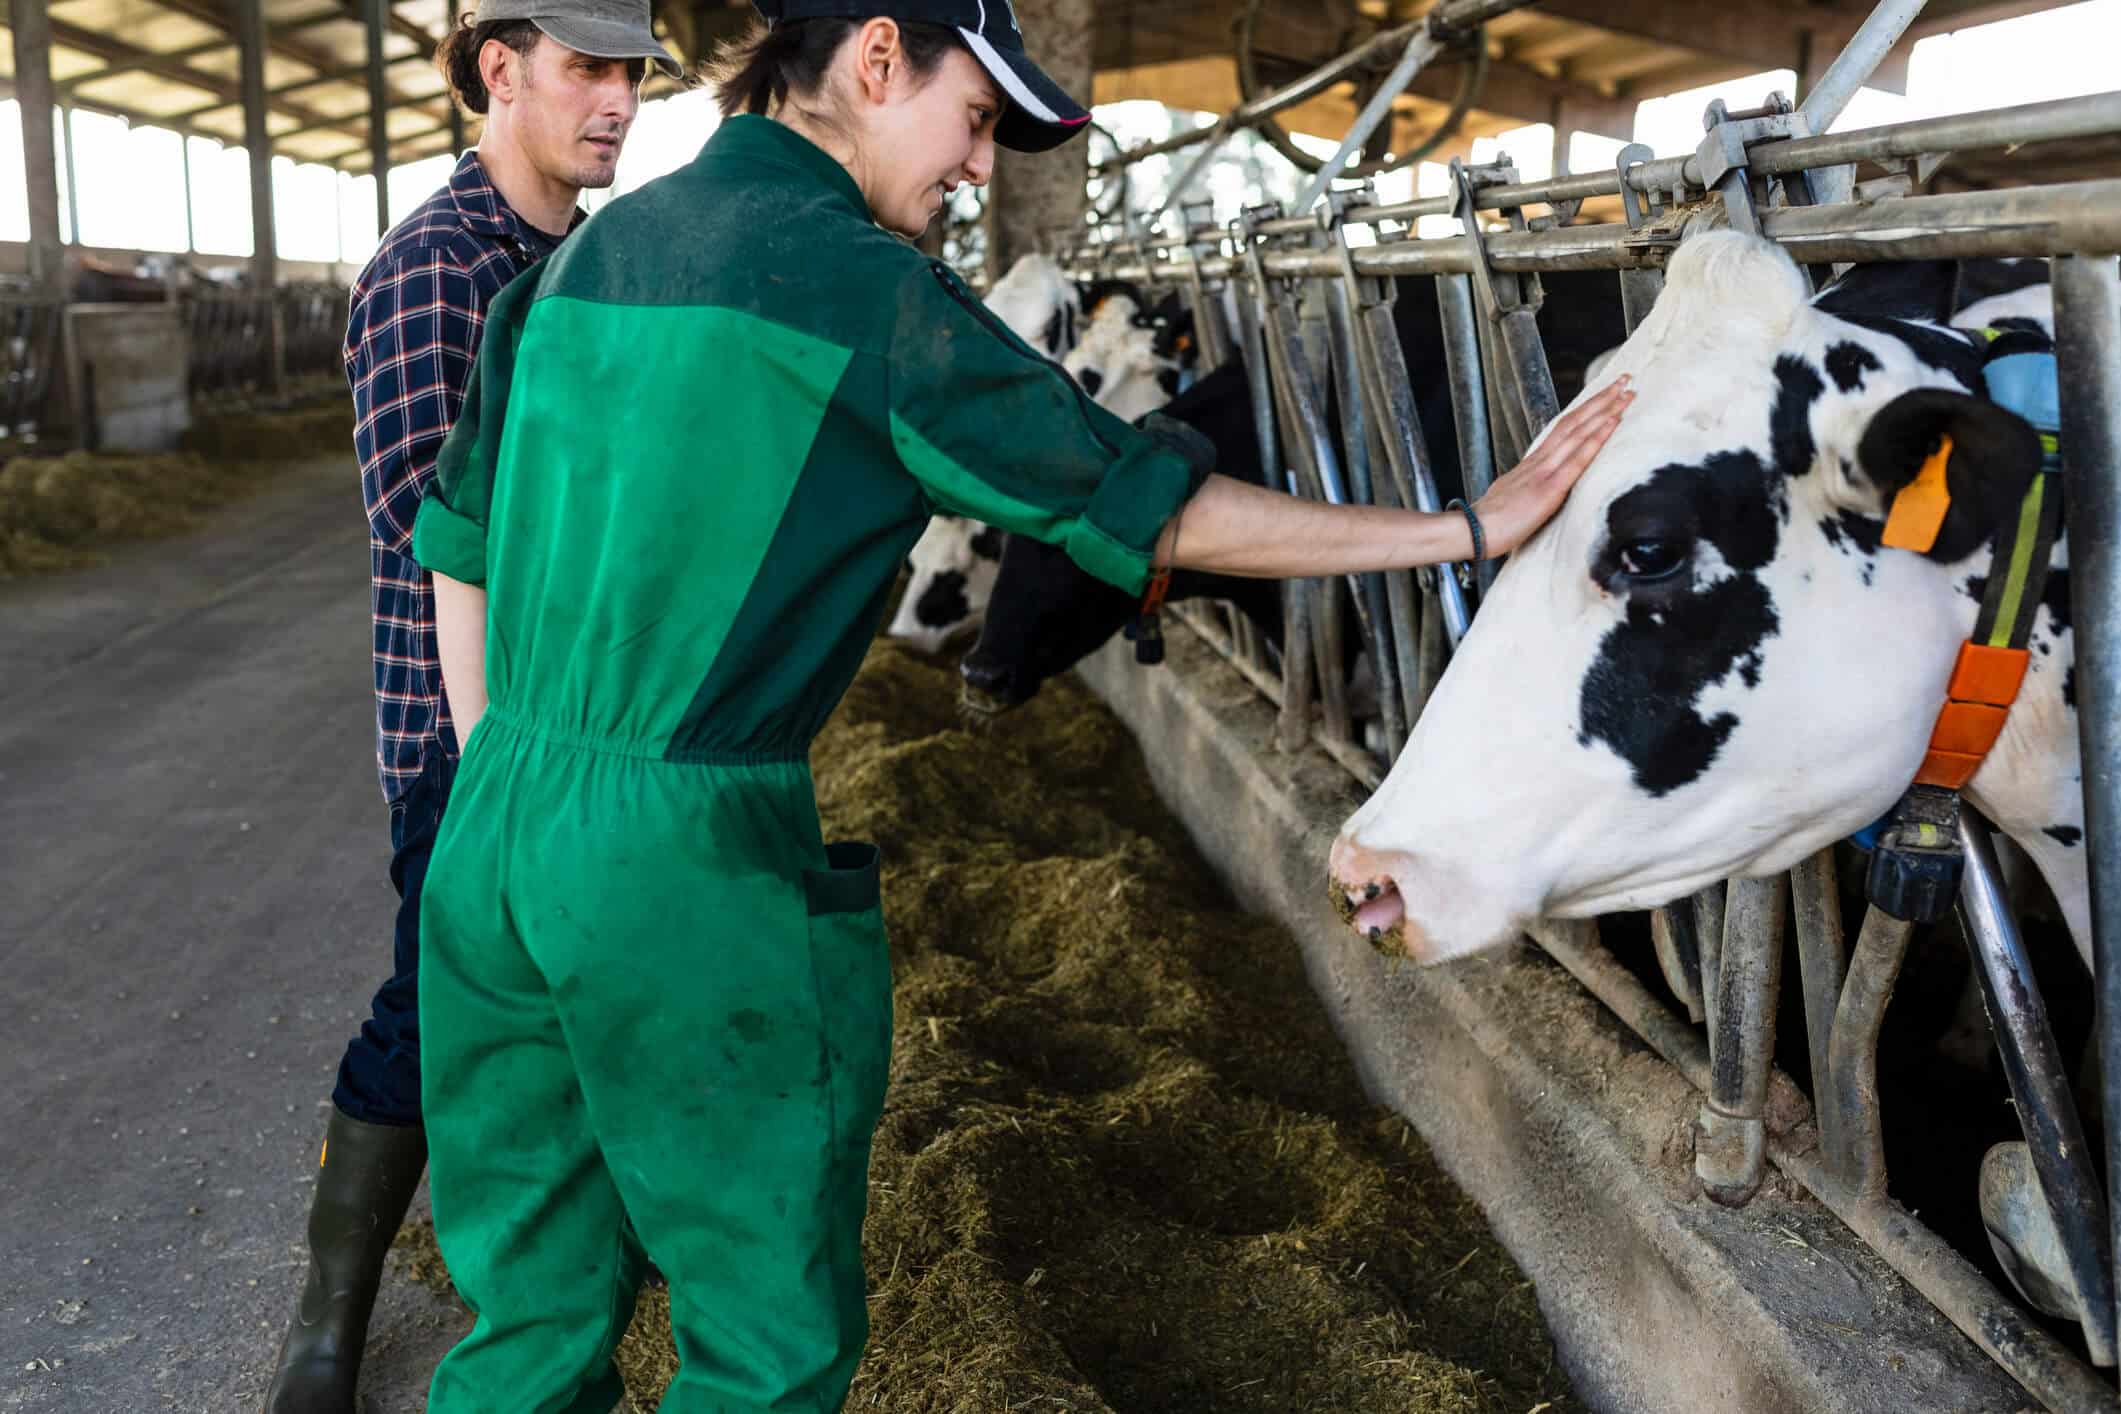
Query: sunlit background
x=145 y=188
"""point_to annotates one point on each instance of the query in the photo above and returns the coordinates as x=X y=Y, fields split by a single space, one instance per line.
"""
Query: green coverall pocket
x=851 y=956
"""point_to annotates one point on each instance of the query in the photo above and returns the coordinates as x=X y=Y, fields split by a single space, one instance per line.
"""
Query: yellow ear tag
x=1918 y=511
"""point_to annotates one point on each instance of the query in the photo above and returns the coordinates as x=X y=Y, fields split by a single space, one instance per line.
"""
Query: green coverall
x=656 y=1005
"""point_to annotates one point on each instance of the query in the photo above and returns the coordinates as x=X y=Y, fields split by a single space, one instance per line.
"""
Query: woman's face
x=923 y=137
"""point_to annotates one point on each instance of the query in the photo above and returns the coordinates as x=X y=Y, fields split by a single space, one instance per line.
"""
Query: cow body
x=1707 y=665
x=1039 y=303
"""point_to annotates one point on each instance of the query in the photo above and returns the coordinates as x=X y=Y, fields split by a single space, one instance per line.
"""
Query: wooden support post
x=1033 y=196
x=31 y=23
x=376 y=14
x=257 y=141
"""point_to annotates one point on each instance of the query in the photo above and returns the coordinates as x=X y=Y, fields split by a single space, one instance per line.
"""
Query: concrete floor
x=194 y=912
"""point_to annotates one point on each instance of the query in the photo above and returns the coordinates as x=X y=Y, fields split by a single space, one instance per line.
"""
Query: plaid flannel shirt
x=412 y=334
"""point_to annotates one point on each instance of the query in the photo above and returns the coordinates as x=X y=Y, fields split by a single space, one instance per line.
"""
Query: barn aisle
x=1124 y=1166
x=193 y=914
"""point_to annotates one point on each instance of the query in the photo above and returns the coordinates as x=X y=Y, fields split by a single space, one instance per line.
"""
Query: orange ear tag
x=1918 y=511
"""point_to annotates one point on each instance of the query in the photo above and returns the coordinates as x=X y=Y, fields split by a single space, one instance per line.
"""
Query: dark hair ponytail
x=758 y=71
x=458 y=54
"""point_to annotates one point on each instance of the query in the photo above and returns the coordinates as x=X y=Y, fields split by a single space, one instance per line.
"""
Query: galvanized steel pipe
x=2020 y=221
x=1451 y=15
x=2088 y=349
x=2040 y=1087
x=1866 y=49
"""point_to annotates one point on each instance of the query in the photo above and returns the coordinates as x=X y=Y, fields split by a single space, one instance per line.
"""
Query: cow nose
x=1366 y=892
x=991 y=678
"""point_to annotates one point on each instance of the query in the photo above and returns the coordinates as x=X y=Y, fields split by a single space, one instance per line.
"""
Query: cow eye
x=1647 y=561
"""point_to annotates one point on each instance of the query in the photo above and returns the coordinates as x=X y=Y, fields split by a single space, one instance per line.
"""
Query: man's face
x=573 y=111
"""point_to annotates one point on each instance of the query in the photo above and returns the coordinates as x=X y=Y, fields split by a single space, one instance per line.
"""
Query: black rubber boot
x=364 y=1185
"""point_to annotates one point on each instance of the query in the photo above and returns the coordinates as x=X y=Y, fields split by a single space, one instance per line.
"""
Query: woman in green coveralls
x=657 y=1005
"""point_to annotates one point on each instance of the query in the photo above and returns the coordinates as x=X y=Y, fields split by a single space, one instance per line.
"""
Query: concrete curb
x=1575 y=1139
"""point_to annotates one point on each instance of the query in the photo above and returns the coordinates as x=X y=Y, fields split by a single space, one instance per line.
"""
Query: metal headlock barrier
x=232 y=333
x=31 y=338
x=1311 y=312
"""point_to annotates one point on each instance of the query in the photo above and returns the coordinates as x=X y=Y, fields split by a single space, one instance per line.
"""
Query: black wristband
x=1480 y=539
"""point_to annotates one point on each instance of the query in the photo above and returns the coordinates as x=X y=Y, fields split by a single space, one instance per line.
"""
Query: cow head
x=1045 y=617
x=953 y=568
x=1046 y=614
x=1705 y=665
x=1131 y=359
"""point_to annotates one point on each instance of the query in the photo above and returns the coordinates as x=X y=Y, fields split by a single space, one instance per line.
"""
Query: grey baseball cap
x=606 y=29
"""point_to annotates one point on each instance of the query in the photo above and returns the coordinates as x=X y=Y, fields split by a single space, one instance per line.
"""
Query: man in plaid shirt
x=558 y=82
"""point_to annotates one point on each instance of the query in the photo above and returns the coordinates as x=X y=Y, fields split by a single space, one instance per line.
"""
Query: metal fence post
x=1730 y=1138
x=2088 y=350
x=2039 y=1082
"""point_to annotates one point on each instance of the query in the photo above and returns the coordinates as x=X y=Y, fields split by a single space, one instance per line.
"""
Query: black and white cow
x=1706 y=665
x=1040 y=304
x=1046 y=615
x=1133 y=360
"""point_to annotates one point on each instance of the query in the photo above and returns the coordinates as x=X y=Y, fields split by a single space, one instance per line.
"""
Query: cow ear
x=1995 y=455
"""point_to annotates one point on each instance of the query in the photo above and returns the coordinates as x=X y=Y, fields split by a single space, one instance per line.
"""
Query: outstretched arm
x=1229 y=527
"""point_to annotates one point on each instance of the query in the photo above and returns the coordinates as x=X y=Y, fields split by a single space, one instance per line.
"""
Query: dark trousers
x=379 y=1079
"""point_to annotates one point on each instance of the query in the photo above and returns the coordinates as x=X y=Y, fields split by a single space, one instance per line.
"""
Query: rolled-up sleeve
x=993 y=430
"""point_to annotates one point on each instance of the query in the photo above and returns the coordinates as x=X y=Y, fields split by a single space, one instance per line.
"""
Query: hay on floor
x=1124 y=1165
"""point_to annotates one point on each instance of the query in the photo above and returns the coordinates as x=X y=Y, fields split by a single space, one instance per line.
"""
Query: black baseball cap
x=1039 y=116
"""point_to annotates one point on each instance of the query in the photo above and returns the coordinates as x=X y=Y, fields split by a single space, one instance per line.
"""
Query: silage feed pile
x=1124 y=1165
x=66 y=511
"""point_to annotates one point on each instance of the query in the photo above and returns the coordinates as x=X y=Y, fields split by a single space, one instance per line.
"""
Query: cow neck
x=1992 y=663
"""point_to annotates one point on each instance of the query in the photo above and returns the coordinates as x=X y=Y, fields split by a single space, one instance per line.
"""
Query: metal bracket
x=1722 y=160
x=1903 y=175
x=1507 y=292
x=1639 y=207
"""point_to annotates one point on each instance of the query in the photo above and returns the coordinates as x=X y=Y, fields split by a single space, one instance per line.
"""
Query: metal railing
x=1310 y=312
x=313 y=326
x=231 y=342
x=31 y=345
x=233 y=334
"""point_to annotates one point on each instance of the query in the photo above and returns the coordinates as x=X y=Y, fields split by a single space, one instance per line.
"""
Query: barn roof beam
x=345 y=73
x=211 y=46
x=277 y=41
x=1512 y=90
x=1752 y=36
x=227 y=90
